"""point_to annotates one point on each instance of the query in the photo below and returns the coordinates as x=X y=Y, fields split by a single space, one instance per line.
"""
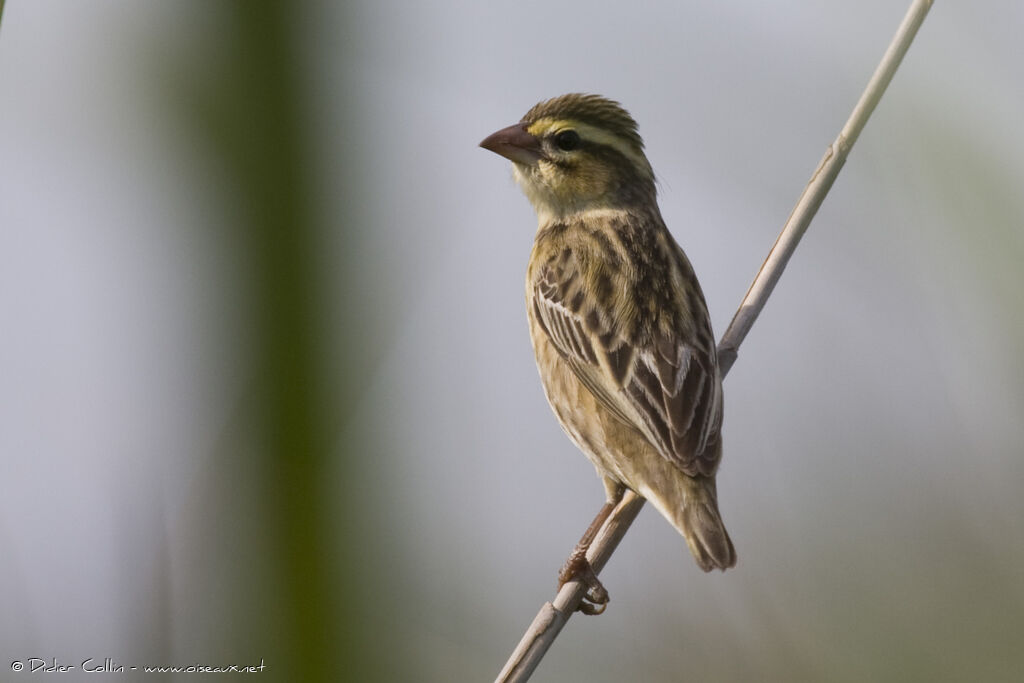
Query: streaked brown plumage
x=618 y=321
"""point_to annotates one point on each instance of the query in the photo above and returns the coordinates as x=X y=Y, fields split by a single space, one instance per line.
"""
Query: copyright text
x=107 y=665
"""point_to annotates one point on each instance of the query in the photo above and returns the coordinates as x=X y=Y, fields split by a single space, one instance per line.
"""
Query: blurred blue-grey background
x=266 y=389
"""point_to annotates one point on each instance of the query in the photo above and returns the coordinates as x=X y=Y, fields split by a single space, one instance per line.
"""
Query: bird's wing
x=663 y=383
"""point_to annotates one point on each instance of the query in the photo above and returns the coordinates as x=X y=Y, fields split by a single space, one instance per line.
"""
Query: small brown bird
x=619 y=325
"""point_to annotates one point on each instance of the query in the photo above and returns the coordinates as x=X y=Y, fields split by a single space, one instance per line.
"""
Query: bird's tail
x=701 y=525
x=691 y=505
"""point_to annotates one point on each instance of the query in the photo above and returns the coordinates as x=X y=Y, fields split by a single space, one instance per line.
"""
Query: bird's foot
x=577 y=567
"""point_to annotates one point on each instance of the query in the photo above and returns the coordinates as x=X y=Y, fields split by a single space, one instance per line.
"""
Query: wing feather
x=657 y=374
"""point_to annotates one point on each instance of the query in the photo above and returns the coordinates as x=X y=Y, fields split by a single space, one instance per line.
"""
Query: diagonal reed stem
x=553 y=616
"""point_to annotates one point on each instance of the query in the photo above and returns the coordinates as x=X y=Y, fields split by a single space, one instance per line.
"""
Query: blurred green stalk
x=251 y=106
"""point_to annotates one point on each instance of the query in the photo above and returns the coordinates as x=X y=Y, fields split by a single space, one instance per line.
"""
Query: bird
x=619 y=324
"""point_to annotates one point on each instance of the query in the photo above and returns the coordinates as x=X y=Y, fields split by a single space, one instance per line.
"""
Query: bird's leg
x=578 y=566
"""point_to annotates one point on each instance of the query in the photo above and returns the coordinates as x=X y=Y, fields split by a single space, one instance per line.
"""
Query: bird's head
x=575 y=153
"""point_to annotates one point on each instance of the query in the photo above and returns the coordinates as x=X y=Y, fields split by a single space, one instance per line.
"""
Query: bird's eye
x=567 y=140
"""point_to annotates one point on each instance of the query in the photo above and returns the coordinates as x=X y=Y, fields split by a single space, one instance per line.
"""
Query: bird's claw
x=578 y=568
